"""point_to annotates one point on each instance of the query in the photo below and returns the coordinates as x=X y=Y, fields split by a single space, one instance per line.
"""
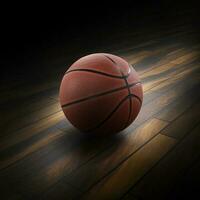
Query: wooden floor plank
x=63 y=156
x=162 y=178
x=30 y=118
x=29 y=131
x=103 y=163
x=23 y=108
x=181 y=80
x=21 y=150
x=180 y=126
x=162 y=74
x=61 y=191
x=178 y=107
x=174 y=53
x=134 y=58
x=129 y=172
x=36 y=177
x=192 y=71
x=150 y=62
x=161 y=102
x=189 y=56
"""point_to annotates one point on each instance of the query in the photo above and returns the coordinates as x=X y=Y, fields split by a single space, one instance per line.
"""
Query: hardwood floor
x=43 y=157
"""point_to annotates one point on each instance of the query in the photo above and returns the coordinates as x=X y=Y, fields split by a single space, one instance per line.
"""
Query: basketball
x=101 y=94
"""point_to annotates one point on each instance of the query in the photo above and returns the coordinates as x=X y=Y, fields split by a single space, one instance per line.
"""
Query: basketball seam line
x=100 y=94
x=130 y=101
x=97 y=72
x=128 y=88
x=110 y=59
x=111 y=113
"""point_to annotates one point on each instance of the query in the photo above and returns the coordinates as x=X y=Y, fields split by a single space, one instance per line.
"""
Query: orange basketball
x=101 y=93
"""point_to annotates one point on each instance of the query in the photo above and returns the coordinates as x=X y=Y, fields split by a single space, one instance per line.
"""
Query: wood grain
x=61 y=191
x=105 y=162
x=178 y=107
x=33 y=129
x=183 y=124
x=162 y=178
x=129 y=172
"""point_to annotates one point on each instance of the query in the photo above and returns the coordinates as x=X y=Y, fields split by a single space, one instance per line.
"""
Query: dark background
x=35 y=34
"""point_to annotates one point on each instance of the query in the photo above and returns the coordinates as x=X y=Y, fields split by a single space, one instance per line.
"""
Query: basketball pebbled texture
x=101 y=94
